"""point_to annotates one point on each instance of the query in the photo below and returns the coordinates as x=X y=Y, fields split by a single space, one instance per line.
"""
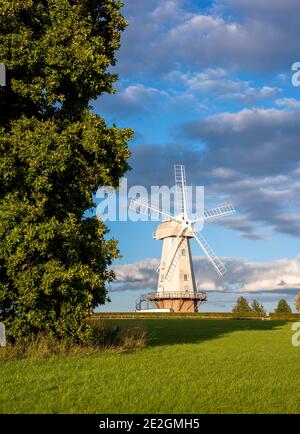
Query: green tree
x=283 y=307
x=54 y=256
x=258 y=308
x=242 y=306
x=297 y=302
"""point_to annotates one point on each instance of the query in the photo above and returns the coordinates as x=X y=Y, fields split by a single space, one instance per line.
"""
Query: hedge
x=285 y=316
x=174 y=315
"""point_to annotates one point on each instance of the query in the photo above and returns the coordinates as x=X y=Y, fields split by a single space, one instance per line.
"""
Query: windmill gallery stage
x=177 y=290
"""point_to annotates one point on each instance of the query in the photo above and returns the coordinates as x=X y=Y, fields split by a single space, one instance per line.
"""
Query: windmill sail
x=180 y=183
x=213 y=213
x=216 y=262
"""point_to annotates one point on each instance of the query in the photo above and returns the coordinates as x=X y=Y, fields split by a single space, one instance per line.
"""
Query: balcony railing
x=201 y=296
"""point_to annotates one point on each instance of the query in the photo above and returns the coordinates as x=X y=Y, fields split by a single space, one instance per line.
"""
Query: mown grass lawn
x=189 y=366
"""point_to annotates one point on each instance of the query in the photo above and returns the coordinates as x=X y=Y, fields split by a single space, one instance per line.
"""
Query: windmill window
x=185 y=277
x=183 y=252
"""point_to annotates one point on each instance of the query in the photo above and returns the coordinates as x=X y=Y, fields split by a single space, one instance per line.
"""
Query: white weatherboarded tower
x=177 y=288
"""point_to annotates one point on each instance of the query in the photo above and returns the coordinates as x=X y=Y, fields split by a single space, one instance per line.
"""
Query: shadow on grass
x=189 y=331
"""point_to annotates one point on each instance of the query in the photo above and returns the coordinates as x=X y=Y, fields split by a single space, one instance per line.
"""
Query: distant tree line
x=243 y=306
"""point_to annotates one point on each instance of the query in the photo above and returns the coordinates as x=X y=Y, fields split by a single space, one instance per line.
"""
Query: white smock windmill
x=177 y=290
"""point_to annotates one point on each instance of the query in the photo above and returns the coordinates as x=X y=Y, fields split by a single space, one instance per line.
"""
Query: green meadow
x=187 y=366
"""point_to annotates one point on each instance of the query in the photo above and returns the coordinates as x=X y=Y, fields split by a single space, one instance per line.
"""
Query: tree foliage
x=55 y=153
x=283 y=307
x=297 y=302
x=258 y=308
x=241 y=306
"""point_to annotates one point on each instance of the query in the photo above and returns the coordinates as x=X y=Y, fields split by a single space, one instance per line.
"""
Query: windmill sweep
x=177 y=290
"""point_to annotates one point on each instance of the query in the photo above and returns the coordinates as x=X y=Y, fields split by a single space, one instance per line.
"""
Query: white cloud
x=251 y=95
x=241 y=34
x=168 y=11
x=140 y=275
x=281 y=275
x=268 y=134
x=135 y=98
x=218 y=84
x=290 y=103
x=250 y=157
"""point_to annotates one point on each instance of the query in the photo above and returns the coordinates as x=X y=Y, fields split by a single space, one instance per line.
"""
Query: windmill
x=177 y=290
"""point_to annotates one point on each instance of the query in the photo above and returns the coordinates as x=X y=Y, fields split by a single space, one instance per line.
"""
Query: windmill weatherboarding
x=177 y=290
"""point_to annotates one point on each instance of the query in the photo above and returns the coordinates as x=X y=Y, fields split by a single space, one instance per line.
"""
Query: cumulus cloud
x=236 y=33
x=250 y=157
x=135 y=98
x=217 y=83
x=244 y=223
x=273 y=10
x=291 y=103
x=188 y=90
x=263 y=141
x=251 y=95
x=269 y=201
x=242 y=276
x=148 y=20
x=140 y=275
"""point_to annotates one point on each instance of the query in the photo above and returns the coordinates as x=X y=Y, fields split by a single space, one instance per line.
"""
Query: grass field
x=188 y=366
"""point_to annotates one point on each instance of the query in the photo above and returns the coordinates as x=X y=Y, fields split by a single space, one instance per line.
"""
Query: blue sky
x=209 y=84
